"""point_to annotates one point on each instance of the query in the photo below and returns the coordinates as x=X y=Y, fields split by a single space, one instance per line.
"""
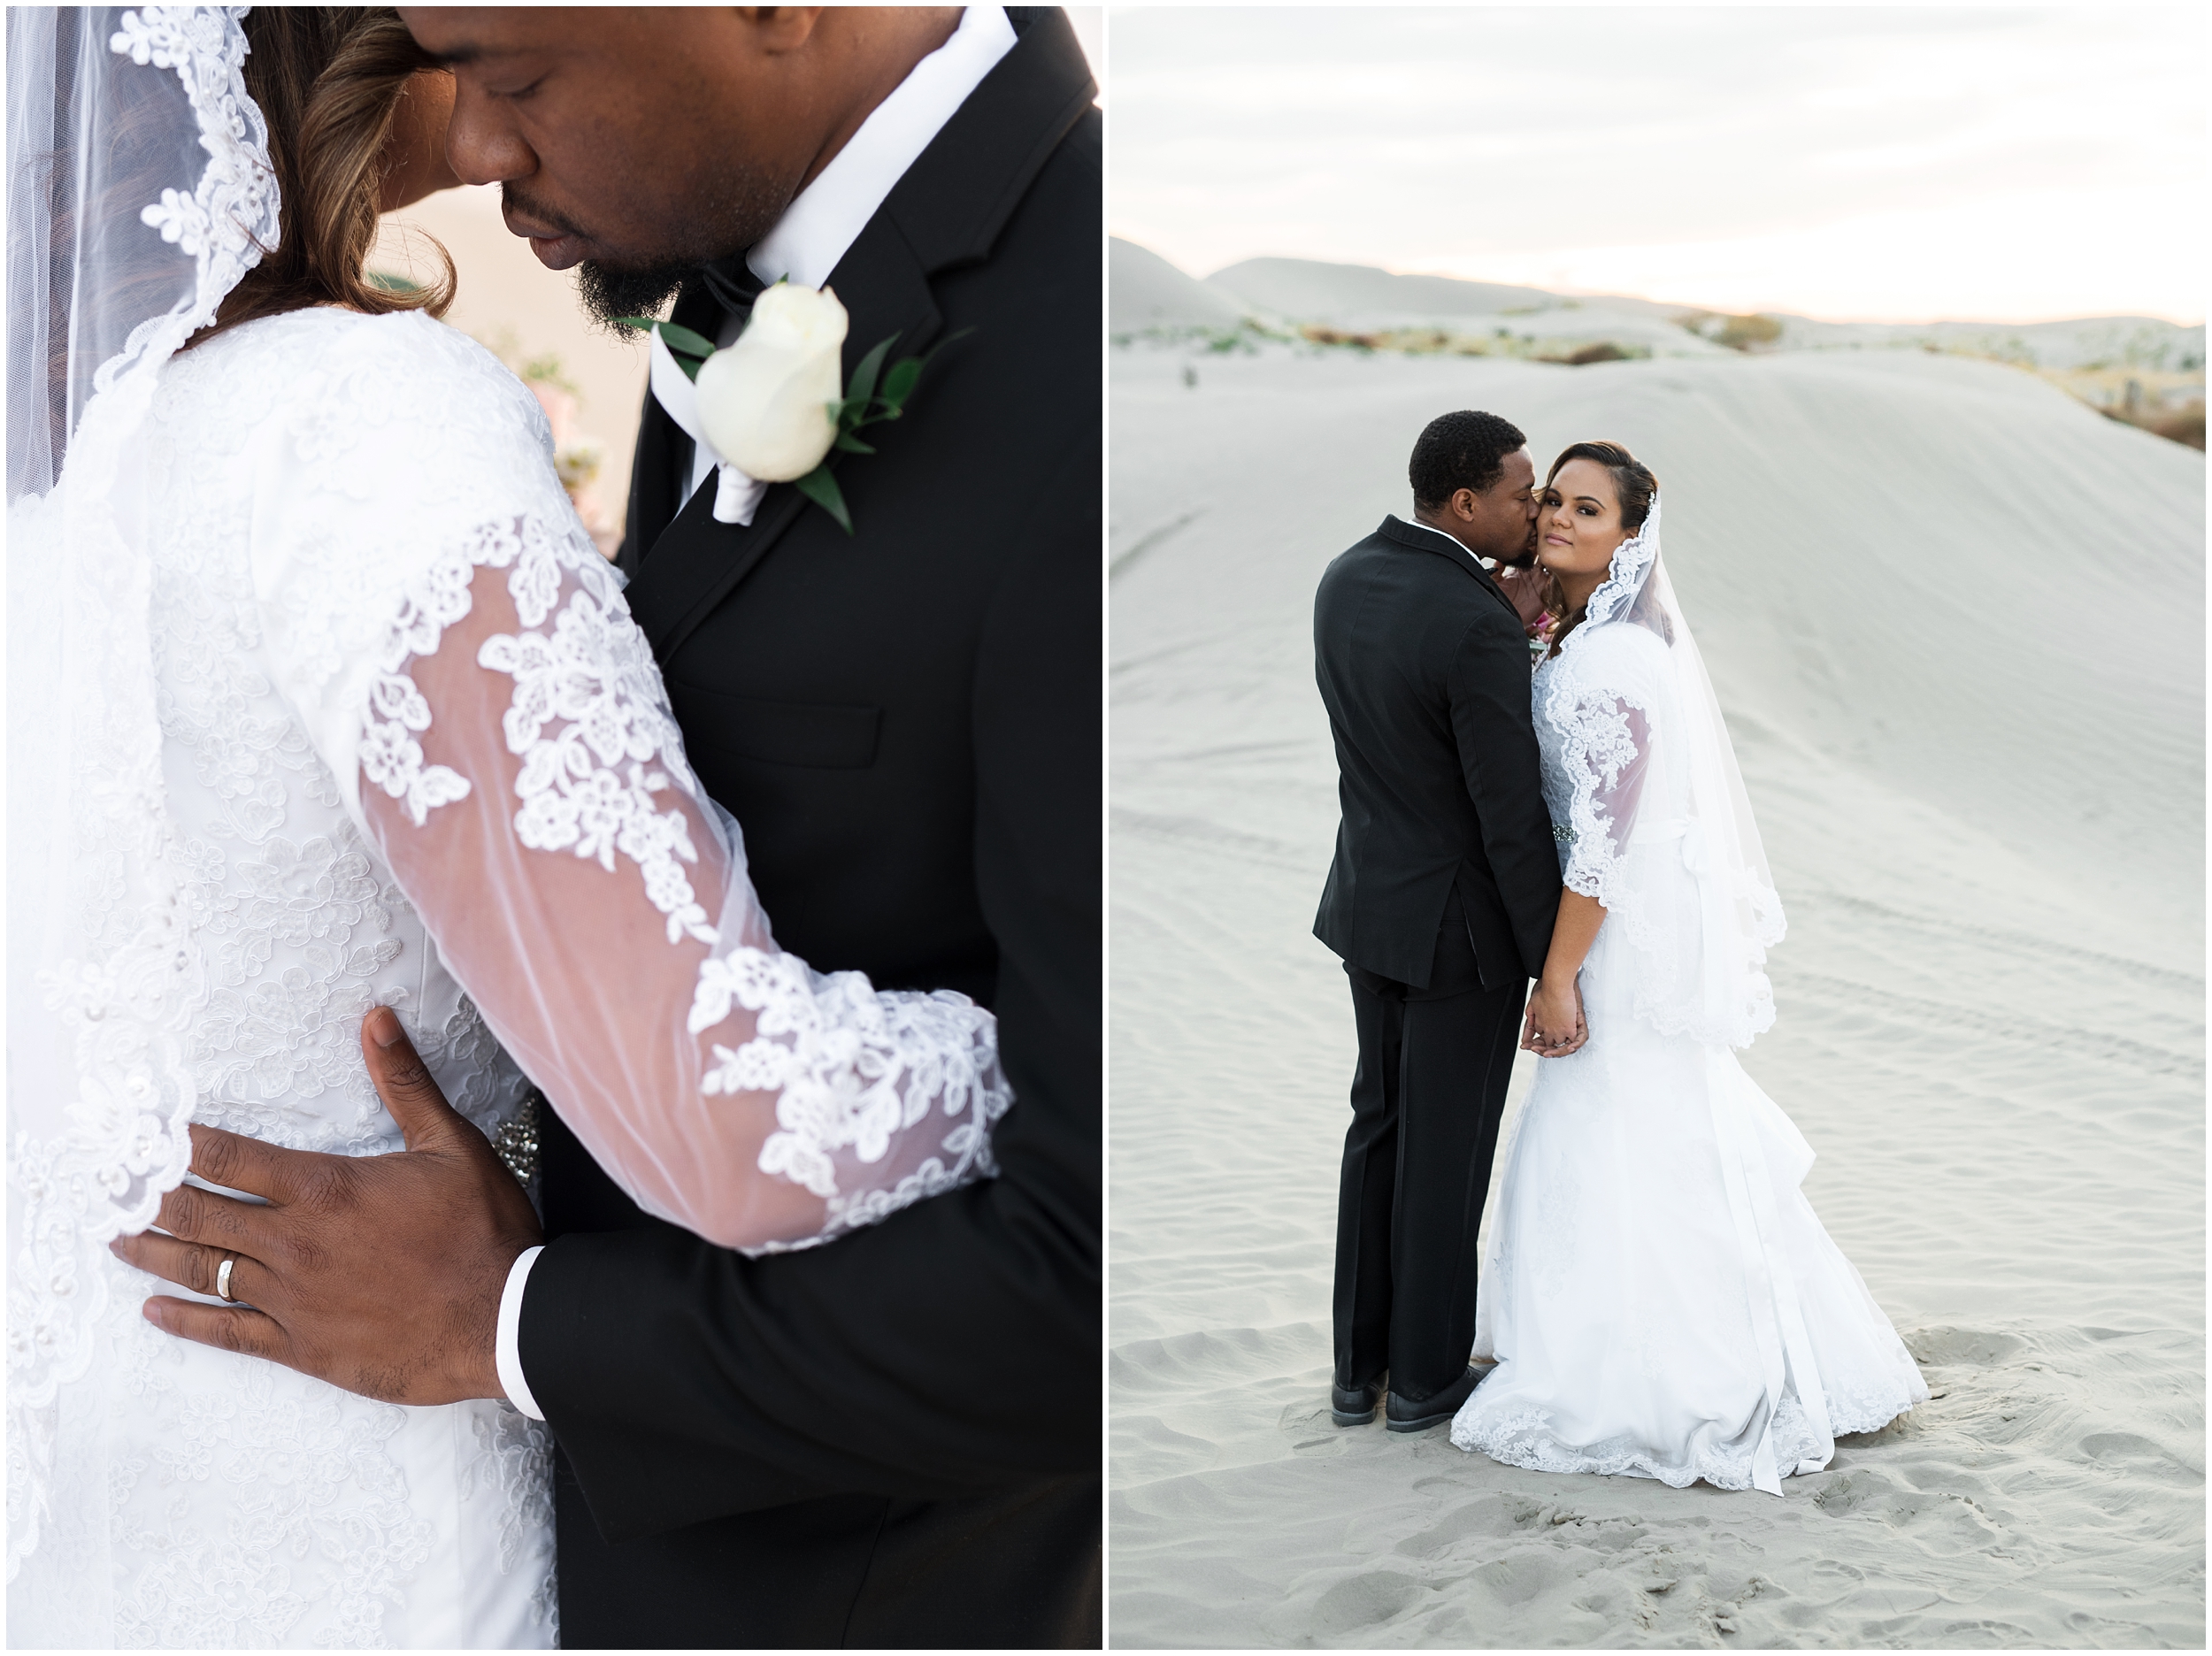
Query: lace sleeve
x=505 y=738
x=1605 y=753
x=526 y=782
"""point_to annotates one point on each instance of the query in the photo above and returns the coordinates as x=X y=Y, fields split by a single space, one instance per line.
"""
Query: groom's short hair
x=1464 y=450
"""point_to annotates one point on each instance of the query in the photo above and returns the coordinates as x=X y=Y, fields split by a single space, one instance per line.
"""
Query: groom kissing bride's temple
x=891 y=730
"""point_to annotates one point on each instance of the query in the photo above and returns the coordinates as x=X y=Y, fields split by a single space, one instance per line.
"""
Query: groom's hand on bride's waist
x=379 y=1274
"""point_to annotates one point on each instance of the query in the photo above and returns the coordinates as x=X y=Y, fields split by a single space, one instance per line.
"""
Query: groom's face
x=638 y=142
x=1498 y=522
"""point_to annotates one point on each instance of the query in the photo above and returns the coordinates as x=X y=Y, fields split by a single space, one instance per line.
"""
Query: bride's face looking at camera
x=1578 y=527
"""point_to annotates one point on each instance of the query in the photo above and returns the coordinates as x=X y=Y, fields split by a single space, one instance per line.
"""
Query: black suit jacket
x=1424 y=670
x=895 y=1439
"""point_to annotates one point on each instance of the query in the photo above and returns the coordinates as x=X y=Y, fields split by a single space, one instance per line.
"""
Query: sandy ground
x=1955 y=619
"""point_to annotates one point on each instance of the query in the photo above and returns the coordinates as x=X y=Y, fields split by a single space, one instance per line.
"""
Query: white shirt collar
x=826 y=218
x=1458 y=545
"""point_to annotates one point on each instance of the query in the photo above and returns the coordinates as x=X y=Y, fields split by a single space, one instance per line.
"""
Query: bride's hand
x=1554 y=1025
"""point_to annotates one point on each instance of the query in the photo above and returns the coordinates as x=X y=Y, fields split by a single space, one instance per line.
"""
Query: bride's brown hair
x=328 y=81
x=1634 y=485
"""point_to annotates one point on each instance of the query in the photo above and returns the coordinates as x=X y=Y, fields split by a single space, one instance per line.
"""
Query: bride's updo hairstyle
x=328 y=81
x=1634 y=485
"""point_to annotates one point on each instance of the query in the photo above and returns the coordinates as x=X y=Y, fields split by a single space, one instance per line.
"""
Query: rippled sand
x=1956 y=622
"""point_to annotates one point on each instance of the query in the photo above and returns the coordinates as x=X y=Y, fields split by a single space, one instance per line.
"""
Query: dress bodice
x=172 y=1494
x=1599 y=708
x=301 y=925
x=1620 y=756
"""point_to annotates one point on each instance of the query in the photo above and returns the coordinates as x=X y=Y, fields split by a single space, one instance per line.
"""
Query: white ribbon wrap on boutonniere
x=736 y=495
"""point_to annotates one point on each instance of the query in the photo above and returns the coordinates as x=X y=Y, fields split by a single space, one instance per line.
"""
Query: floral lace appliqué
x=586 y=788
x=852 y=1068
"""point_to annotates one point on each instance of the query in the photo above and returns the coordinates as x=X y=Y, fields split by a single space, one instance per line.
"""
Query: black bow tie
x=732 y=282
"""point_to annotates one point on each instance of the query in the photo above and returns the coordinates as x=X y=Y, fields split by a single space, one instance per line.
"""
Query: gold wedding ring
x=222 y=1281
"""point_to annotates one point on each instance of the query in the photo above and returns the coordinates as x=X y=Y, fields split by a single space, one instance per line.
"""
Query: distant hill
x=1361 y=298
x=1310 y=290
x=2080 y=342
x=1144 y=292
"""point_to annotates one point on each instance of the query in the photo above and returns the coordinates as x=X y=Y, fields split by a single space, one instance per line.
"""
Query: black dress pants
x=1426 y=1100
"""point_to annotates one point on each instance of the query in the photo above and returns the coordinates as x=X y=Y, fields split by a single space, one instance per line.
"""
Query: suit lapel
x=698 y=562
x=656 y=496
x=1422 y=538
x=947 y=210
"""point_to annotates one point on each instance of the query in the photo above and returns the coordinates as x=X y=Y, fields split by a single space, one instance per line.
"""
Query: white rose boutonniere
x=766 y=401
x=770 y=405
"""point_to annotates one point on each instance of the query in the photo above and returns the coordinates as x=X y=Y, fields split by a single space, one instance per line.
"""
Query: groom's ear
x=779 y=29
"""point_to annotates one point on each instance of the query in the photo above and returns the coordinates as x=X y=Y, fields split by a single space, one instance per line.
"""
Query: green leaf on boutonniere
x=820 y=486
x=682 y=342
x=864 y=404
x=899 y=384
x=862 y=390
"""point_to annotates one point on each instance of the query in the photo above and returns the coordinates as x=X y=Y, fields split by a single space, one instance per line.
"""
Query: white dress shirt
x=823 y=220
x=826 y=217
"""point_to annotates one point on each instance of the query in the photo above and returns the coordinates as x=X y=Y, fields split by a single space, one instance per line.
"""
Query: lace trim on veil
x=232 y=215
x=127 y=1004
x=1594 y=693
x=1625 y=576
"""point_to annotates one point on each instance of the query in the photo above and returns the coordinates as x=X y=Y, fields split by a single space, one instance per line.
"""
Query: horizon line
x=1593 y=293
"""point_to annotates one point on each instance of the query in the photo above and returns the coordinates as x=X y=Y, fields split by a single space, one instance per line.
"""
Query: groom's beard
x=738 y=207
x=607 y=293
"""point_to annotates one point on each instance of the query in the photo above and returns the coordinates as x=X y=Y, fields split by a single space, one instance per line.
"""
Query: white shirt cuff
x=508 y=1351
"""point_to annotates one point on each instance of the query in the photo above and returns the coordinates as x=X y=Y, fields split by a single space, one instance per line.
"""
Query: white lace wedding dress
x=1657 y=1294
x=409 y=739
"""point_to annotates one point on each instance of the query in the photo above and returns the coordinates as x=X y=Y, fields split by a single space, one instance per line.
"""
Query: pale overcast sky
x=1883 y=164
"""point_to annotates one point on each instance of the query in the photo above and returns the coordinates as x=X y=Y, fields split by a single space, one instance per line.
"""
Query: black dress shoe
x=1355 y=1406
x=1407 y=1413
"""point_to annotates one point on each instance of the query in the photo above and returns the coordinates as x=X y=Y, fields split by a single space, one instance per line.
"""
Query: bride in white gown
x=1659 y=1298
x=320 y=698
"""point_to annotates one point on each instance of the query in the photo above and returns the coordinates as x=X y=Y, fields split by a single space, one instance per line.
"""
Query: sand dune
x=2080 y=342
x=1311 y=287
x=1145 y=292
x=1361 y=298
x=1957 y=621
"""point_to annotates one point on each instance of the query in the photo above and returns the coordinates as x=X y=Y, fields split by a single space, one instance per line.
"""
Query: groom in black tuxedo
x=1441 y=902
x=895 y=1439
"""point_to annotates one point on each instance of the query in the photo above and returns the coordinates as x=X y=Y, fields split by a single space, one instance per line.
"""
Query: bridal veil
x=139 y=192
x=1686 y=882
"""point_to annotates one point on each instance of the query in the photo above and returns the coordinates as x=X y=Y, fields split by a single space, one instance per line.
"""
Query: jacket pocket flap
x=813 y=735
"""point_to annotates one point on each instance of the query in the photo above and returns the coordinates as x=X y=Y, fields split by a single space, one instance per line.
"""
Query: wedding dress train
x=1657 y=1294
